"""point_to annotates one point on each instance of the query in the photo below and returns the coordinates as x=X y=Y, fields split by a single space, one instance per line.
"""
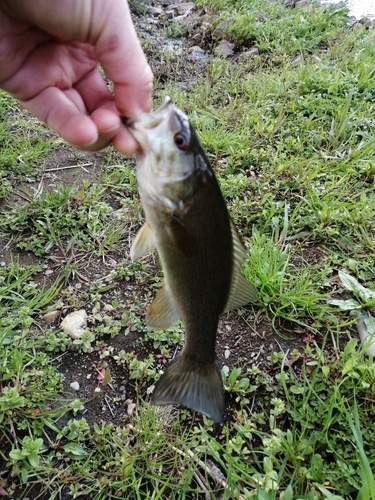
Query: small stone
x=219 y=31
x=51 y=316
x=97 y=391
x=108 y=308
x=88 y=376
x=131 y=408
x=249 y=54
x=122 y=388
x=366 y=333
x=154 y=11
x=184 y=8
x=196 y=49
x=224 y=49
x=3 y=264
x=75 y=323
x=301 y=4
x=118 y=214
x=75 y=386
x=48 y=272
x=228 y=328
x=358 y=26
x=227 y=353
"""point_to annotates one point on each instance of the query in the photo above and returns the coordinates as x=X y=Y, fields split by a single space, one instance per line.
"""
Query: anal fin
x=162 y=313
x=198 y=389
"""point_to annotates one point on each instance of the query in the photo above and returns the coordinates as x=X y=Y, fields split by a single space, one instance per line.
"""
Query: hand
x=49 y=55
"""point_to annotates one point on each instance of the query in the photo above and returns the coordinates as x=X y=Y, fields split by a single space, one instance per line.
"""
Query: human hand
x=49 y=52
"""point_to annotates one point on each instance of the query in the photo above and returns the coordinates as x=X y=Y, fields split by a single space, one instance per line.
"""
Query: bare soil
x=245 y=340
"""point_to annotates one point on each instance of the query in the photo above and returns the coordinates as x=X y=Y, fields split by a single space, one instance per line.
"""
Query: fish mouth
x=150 y=120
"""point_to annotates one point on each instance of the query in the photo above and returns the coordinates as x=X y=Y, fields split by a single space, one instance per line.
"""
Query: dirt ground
x=249 y=338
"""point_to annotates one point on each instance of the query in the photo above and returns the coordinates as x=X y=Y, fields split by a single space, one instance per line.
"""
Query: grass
x=290 y=136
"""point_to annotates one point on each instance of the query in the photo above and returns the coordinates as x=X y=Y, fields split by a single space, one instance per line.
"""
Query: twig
x=251 y=327
x=259 y=352
x=201 y=464
x=202 y=483
x=281 y=349
x=108 y=383
x=238 y=341
x=70 y=166
x=334 y=345
x=109 y=406
x=209 y=470
x=60 y=356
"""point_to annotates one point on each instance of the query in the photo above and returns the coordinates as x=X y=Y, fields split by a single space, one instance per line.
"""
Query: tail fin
x=198 y=389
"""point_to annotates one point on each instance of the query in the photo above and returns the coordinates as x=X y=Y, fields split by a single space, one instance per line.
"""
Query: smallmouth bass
x=200 y=250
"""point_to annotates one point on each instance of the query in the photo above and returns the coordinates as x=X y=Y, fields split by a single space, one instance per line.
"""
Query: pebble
x=196 y=52
x=131 y=408
x=366 y=336
x=227 y=353
x=51 y=316
x=182 y=8
x=218 y=32
x=2 y=264
x=249 y=54
x=154 y=11
x=75 y=386
x=75 y=323
x=48 y=272
x=88 y=376
x=224 y=49
x=108 y=308
x=228 y=327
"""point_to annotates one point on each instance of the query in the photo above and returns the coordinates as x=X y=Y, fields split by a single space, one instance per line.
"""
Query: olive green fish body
x=201 y=254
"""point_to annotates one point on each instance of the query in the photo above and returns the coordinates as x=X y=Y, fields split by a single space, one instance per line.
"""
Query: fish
x=200 y=251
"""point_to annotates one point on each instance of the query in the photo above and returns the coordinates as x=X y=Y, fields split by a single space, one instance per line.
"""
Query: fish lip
x=149 y=120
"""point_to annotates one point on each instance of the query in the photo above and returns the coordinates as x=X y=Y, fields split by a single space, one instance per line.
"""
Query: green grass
x=290 y=136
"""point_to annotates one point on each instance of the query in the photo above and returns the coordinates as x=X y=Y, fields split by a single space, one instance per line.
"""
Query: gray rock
x=197 y=53
x=224 y=49
x=358 y=26
x=75 y=323
x=304 y=5
x=366 y=334
x=182 y=8
x=249 y=54
x=218 y=32
x=154 y=11
x=75 y=386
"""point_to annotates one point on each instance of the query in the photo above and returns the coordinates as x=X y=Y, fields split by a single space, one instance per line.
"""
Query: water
x=360 y=8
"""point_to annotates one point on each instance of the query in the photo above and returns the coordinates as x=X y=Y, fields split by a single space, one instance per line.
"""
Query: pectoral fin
x=162 y=313
x=241 y=290
x=144 y=242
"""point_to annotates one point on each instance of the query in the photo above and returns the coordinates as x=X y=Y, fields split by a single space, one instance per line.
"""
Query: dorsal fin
x=241 y=291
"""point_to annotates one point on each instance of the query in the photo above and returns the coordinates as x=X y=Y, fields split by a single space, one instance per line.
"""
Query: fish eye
x=181 y=141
